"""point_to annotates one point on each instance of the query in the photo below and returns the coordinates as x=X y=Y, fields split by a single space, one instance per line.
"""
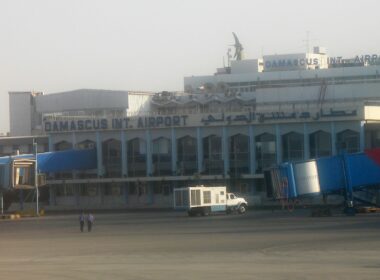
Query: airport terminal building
x=224 y=129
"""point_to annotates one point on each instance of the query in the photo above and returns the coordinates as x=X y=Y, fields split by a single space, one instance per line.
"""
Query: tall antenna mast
x=229 y=57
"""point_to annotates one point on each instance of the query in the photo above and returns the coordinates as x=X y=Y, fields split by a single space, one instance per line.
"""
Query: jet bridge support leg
x=348 y=192
x=324 y=210
x=21 y=200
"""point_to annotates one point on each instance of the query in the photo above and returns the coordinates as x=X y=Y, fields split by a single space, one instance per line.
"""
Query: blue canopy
x=67 y=160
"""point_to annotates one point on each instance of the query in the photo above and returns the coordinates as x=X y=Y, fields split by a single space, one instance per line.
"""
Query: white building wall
x=287 y=128
x=310 y=93
x=20 y=113
x=84 y=99
x=314 y=127
x=182 y=132
x=246 y=66
x=139 y=103
x=81 y=137
x=198 y=81
x=261 y=129
x=158 y=133
x=234 y=130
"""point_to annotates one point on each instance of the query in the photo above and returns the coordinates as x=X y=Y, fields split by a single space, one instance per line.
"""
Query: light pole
x=35 y=146
x=2 y=203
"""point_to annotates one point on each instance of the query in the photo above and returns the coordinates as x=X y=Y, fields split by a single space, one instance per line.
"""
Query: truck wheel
x=206 y=211
x=191 y=213
x=242 y=209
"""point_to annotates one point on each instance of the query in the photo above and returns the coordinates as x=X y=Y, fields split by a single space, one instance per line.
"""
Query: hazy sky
x=52 y=45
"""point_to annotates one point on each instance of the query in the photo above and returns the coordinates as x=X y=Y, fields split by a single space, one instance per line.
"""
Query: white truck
x=205 y=200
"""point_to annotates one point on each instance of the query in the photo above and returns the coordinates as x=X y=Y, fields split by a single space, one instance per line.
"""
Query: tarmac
x=170 y=245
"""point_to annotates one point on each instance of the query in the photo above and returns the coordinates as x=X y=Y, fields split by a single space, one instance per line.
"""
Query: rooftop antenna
x=229 y=56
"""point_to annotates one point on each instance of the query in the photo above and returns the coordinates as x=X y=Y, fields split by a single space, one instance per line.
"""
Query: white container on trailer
x=205 y=200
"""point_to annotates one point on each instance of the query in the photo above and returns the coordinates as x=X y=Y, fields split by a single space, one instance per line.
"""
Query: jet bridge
x=345 y=174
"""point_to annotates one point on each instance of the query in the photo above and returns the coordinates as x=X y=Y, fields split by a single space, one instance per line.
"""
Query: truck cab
x=235 y=203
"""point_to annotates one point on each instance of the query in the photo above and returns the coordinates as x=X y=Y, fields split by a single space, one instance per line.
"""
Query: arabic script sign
x=279 y=116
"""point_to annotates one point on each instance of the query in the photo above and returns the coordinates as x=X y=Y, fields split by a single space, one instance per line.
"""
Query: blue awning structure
x=67 y=160
x=18 y=171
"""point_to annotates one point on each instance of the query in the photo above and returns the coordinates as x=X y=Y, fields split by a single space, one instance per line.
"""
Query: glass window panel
x=320 y=144
x=265 y=151
x=292 y=146
x=348 y=141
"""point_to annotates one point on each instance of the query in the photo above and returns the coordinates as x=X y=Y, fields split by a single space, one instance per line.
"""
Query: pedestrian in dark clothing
x=81 y=221
x=90 y=221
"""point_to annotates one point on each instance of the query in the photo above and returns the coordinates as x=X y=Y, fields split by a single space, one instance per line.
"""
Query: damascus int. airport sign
x=217 y=119
x=338 y=60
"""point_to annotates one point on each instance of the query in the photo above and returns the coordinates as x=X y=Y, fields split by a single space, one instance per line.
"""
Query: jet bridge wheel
x=8 y=197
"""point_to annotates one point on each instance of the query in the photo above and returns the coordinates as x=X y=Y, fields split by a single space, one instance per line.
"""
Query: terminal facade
x=224 y=129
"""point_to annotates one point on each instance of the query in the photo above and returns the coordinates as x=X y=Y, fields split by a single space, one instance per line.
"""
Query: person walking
x=81 y=221
x=90 y=221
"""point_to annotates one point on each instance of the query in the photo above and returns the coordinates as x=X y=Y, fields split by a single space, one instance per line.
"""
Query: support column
x=51 y=146
x=225 y=153
x=101 y=190
x=99 y=154
x=174 y=151
x=252 y=151
x=333 y=138
x=150 y=192
x=199 y=150
x=126 y=192
x=73 y=140
x=362 y=136
x=148 y=140
x=278 y=144
x=52 y=200
x=252 y=185
x=124 y=155
x=2 y=203
x=77 y=190
x=73 y=146
x=306 y=142
x=50 y=149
